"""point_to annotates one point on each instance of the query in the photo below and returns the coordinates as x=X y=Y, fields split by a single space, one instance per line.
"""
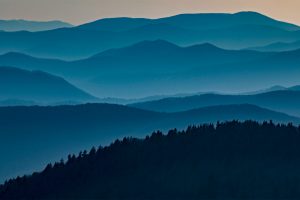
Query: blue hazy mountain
x=294 y=88
x=17 y=102
x=181 y=95
x=203 y=21
x=59 y=43
x=146 y=66
x=153 y=67
x=278 y=46
x=274 y=88
x=281 y=100
x=161 y=51
x=37 y=135
x=26 y=62
x=93 y=42
x=167 y=57
x=265 y=90
x=24 y=25
x=219 y=20
x=38 y=86
x=233 y=31
x=115 y=24
x=260 y=91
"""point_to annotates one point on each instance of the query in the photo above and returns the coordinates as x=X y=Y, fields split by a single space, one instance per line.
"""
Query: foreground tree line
x=230 y=160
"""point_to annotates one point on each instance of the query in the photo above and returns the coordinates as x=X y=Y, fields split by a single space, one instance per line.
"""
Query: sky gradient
x=81 y=11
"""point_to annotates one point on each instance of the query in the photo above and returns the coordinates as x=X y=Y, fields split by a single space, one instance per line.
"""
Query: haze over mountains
x=233 y=31
x=32 y=26
x=153 y=67
x=42 y=134
x=278 y=46
x=37 y=86
x=286 y=101
x=145 y=61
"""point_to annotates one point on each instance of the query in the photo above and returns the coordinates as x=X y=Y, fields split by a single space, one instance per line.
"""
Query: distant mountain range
x=121 y=101
x=269 y=89
x=277 y=47
x=275 y=88
x=233 y=31
x=153 y=67
x=137 y=57
x=43 y=134
x=57 y=81
x=33 y=26
x=37 y=86
x=203 y=21
x=282 y=100
x=17 y=102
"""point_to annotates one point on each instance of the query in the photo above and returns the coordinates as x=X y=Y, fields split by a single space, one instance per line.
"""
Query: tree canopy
x=230 y=160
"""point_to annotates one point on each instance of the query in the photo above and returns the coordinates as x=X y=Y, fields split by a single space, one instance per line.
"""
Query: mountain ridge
x=138 y=22
x=37 y=86
x=281 y=100
x=278 y=46
x=228 y=160
x=231 y=32
x=112 y=72
x=32 y=26
x=45 y=133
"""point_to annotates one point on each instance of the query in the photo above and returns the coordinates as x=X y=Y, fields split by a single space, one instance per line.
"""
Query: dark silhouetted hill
x=37 y=135
x=231 y=160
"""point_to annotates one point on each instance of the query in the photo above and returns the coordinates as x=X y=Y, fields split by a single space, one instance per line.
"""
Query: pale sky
x=81 y=11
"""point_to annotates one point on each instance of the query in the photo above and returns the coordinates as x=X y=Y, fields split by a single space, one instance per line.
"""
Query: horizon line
x=151 y=18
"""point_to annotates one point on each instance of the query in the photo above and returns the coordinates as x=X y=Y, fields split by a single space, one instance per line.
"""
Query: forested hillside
x=231 y=160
